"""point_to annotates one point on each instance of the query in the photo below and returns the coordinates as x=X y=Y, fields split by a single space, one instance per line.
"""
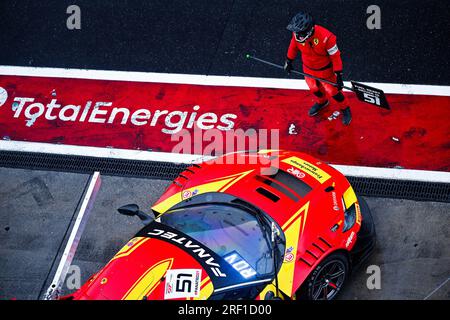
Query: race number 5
x=371 y=98
x=184 y=285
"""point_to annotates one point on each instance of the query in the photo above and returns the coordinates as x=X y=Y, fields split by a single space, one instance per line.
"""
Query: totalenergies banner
x=145 y=115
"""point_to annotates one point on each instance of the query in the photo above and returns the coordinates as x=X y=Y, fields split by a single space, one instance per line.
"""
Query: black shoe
x=317 y=107
x=346 y=116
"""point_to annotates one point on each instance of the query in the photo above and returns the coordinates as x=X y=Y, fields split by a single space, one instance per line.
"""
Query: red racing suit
x=321 y=58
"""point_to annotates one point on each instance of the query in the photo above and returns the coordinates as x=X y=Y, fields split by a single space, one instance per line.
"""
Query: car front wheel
x=327 y=279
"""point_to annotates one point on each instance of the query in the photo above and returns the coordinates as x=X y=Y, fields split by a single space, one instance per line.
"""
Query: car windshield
x=231 y=232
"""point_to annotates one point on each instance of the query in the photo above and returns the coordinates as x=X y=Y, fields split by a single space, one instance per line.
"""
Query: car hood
x=161 y=263
x=149 y=268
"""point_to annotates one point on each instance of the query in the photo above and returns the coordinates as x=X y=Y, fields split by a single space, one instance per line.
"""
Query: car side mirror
x=329 y=189
x=129 y=210
x=133 y=210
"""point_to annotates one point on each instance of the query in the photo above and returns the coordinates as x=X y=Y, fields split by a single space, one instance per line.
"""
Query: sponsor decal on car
x=350 y=239
x=186 y=194
x=296 y=172
x=240 y=265
x=182 y=283
x=358 y=213
x=194 y=247
x=289 y=256
x=132 y=242
x=308 y=168
x=335 y=202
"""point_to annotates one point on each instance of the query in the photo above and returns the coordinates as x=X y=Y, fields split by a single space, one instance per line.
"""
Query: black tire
x=368 y=227
x=319 y=276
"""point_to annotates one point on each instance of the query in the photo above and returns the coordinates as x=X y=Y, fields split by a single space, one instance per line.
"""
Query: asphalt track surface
x=37 y=207
x=212 y=36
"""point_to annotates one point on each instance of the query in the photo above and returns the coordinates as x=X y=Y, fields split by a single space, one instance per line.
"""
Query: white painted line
x=435 y=290
x=351 y=171
x=394 y=88
x=74 y=238
x=98 y=152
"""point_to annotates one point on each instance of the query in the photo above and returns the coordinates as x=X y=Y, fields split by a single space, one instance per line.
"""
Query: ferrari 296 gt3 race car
x=231 y=231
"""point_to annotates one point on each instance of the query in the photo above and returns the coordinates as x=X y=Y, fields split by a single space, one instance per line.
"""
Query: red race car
x=293 y=229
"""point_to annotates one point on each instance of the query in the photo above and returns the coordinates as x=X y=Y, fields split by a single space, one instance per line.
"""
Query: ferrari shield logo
x=316 y=41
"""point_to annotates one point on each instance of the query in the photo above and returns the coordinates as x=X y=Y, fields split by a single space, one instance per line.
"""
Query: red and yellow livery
x=253 y=225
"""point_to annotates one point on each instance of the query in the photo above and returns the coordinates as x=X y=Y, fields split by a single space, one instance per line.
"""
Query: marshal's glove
x=288 y=65
x=339 y=81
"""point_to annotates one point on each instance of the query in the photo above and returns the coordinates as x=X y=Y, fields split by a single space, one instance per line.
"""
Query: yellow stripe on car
x=220 y=184
x=293 y=228
x=148 y=281
x=132 y=245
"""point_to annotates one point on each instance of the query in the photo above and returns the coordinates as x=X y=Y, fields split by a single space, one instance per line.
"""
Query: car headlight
x=349 y=218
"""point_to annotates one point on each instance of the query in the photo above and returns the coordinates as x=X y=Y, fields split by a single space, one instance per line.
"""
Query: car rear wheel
x=327 y=279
